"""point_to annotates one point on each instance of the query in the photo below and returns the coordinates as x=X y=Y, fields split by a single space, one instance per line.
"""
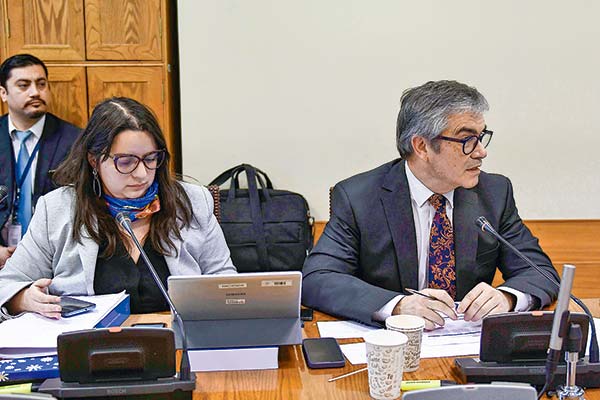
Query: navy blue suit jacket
x=367 y=254
x=56 y=141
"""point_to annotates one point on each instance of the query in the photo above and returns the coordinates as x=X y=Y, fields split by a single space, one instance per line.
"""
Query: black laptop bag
x=265 y=229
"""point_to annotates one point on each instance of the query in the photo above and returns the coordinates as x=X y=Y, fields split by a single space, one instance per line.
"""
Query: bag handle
x=225 y=176
x=260 y=173
x=233 y=172
x=257 y=220
x=257 y=176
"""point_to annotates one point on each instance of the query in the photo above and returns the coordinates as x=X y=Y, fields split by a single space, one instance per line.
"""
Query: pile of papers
x=456 y=338
x=33 y=335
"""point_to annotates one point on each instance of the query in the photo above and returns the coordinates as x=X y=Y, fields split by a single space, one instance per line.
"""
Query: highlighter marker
x=18 y=388
x=424 y=384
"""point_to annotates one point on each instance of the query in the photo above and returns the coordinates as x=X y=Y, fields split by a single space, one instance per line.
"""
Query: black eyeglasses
x=127 y=163
x=469 y=144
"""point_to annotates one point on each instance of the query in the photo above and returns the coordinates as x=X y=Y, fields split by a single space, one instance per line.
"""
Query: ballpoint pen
x=413 y=291
x=347 y=374
x=405 y=385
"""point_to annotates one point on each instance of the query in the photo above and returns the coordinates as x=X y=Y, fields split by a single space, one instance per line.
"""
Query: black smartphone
x=150 y=325
x=72 y=306
x=323 y=353
x=306 y=314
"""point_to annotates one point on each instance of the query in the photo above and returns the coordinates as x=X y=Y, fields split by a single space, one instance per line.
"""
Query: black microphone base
x=162 y=388
x=473 y=370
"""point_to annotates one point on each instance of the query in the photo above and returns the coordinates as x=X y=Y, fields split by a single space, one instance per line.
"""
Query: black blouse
x=119 y=272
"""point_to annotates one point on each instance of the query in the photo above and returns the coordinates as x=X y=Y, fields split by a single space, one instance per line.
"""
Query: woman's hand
x=5 y=253
x=35 y=298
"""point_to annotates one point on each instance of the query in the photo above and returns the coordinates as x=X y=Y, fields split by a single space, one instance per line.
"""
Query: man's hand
x=5 y=253
x=431 y=310
x=35 y=298
x=483 y=300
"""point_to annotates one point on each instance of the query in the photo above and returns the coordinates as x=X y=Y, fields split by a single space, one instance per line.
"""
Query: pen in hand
x=413 y=291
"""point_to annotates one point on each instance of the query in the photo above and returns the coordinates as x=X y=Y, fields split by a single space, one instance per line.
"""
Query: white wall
x=309 y=90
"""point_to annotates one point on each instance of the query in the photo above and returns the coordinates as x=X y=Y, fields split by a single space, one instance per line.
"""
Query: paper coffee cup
x=412 y=326
x=385 y=360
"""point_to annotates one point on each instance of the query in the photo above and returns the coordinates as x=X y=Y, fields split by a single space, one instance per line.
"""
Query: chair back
x=216 y=194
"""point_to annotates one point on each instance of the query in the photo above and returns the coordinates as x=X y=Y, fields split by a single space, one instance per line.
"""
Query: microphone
x=560 y=324
x=485 y=226
x=3 y=193
x=184 y=368
x=562 y=307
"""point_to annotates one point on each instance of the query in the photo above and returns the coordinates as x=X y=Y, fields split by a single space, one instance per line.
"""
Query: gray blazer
x=48 y=249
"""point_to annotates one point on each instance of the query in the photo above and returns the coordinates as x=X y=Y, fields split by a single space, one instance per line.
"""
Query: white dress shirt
x=423 y=213
x=36 y=133
x=30 y=143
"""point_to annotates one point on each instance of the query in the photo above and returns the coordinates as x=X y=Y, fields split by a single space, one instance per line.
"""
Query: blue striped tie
x=24 y=211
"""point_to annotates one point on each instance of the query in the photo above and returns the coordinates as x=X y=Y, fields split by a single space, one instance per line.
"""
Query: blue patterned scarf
x=139 y=208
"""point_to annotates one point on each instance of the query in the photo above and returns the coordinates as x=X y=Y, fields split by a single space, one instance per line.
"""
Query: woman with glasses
x=74 y=246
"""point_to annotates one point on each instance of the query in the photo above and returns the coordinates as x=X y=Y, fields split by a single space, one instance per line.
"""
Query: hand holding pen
x=431 y=304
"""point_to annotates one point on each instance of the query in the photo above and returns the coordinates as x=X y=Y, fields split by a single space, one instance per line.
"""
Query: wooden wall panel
x=569 y=241
x=141 y=83
x=144 y=84
x=139 y=36
x=50 y=30
x=69 y=100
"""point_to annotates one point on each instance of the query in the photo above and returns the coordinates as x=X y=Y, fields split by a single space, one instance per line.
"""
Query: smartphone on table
x=323 y=353
x=150 y=325
x=71 y=306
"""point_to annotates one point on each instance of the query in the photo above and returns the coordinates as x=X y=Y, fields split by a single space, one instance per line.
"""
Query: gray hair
x=424 y=110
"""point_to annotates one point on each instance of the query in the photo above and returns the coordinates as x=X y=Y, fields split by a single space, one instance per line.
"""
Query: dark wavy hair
x=109 y=118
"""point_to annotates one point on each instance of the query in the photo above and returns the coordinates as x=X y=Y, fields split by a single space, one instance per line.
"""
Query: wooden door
x=69 y=94
x=49 y=29
x=143 y=84
x=123 y=29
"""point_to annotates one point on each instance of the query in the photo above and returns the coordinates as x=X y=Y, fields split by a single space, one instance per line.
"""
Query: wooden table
x=294 y=380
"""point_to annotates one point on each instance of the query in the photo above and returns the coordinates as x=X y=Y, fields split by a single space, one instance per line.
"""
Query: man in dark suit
x=410 y=223
x=28 y=131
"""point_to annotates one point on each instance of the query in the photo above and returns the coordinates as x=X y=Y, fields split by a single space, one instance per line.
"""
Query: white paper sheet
x=34 y=335
x=343 y=329
x=456 y=338
x=356 y=353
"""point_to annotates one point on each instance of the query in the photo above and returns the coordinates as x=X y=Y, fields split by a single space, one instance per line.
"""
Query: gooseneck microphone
x=184 y=369
x=560 y=324
x=485 y=226
x=3 y=193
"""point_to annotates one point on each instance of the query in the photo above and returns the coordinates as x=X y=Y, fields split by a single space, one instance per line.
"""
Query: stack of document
x=32 y=335
x=456 y=338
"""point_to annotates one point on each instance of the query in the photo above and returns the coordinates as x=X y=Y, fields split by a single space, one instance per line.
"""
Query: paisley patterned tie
x=442 y=265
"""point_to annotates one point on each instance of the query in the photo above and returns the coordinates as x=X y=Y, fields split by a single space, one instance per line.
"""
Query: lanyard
x=23 y=176
x=20 y=180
